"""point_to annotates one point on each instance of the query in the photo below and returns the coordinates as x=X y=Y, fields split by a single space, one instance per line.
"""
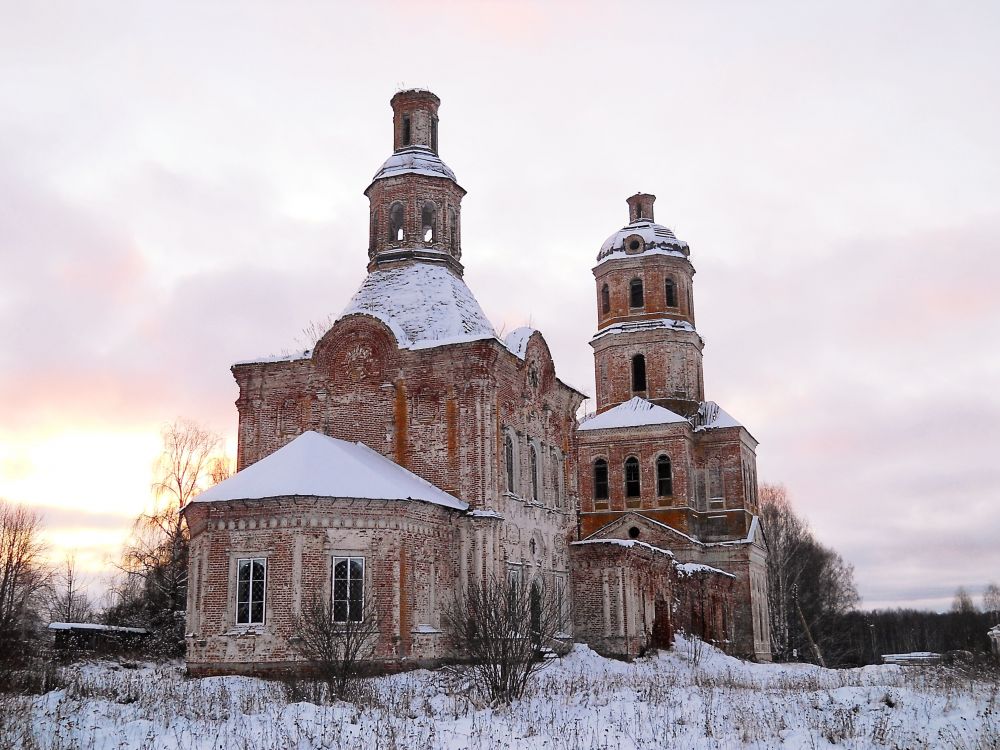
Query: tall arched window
x=605 y=299
x=453 y=228
x=638 y=373
x=600 y=479
x=396 y=222
x=406 y=131
x=434 y=134
x=635 y=293
x=428 y=225
x=664 y=479
x=508 y=452
x=632 y=487
x=671 y=293
x=534 y=473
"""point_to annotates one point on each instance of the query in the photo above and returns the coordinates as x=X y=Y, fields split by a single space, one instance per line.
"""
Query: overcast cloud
x=181 y=187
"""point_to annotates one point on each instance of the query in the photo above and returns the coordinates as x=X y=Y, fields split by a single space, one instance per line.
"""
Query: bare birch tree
x=157 y=552
x=23 y=577
x=991 y=601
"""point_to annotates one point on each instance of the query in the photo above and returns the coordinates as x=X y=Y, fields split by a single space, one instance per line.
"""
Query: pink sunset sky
x=181 y=188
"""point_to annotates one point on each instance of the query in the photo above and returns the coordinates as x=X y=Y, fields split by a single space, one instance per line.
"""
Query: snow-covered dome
x=423 y=304
x=642 y=236
x=414 y=160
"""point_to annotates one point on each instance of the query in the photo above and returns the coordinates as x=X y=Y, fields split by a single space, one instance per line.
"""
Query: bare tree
x=336 y=638
x=507 y=628
x=69 y=601
x=785 y=537
x=23 y=578
x=157 y=552
x=809 y=585
x=991 y=600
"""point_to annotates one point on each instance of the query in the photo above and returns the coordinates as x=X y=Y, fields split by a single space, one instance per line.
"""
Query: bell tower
x=646 y=343
x=414 y=199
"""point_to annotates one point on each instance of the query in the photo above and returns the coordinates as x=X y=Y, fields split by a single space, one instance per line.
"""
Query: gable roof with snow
x=423 y=304
x=315 y=465
x=711 y=416
x=635 y=412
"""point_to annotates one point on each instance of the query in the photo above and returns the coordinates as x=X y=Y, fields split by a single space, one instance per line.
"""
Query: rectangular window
x=348 y=589
x=251 y=585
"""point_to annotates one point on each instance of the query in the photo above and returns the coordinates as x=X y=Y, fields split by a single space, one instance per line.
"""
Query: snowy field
x=692 y=697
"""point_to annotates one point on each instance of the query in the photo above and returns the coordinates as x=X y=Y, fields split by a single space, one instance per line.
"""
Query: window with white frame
x=251 y=588
x=348 y=589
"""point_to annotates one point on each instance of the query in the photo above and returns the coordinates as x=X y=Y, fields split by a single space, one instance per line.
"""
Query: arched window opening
x=664 y=479
x=428 y=230
x=534 y=474
x=638 y=373
x=605 y=299
x=600 y=479
x=632 y=488
x=434 y=134
x=406 y=131
x=635 y=293
x=396 y=222
x=452 y=228
x=671 y=293
x=508 y=450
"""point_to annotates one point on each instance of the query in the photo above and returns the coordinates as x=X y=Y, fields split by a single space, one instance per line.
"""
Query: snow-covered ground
x=692 y=697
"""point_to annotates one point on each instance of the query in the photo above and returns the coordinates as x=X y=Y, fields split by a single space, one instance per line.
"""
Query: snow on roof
x=94 y=626
x=632 y=413
x=517 y=340
x=304 y=354
x=485 y=513
x=315 y=465
x=711 y=416
x=692 y=568
x=414 y=160
x=627 y=543
x=657 y=238
x=643 y=325
x=424 y=304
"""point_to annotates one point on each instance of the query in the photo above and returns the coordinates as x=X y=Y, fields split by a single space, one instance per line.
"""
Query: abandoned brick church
x=413 y=451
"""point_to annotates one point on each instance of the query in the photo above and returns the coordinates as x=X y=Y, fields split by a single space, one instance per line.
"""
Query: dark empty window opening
x=509 y=459
x=632 y=488
x=406 y=131
x=396 y=222
x=428 y=225
x=633 y=533
x=600 y=479
x=664 y=480
x=633 y=245
x=534 y=474
x=671 y=293
x=605 y=299
x=638 y=373
x=453 y=228
x=434 y=134
x=635 y=293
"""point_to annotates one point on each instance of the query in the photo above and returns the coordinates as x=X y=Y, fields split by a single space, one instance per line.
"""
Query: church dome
x=423 y=304
x=414 y=160
x=642 y=236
